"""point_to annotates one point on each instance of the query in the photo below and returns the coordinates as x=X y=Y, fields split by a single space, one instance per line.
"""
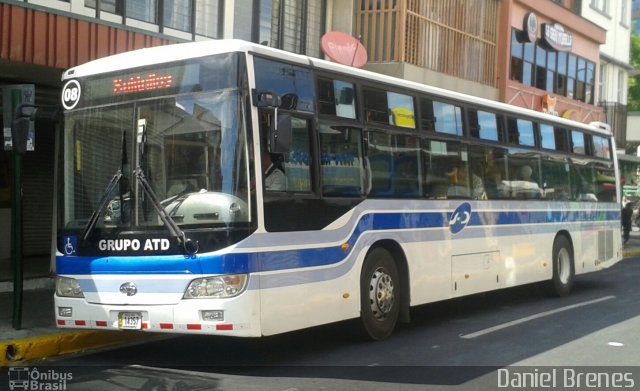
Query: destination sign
x=189 y=76
x=141 y=83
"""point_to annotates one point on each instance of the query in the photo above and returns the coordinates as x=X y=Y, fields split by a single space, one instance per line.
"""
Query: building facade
x=614 y=16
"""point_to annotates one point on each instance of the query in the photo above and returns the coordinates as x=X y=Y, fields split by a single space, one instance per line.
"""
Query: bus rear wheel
x=379 y=294
x=563 y=267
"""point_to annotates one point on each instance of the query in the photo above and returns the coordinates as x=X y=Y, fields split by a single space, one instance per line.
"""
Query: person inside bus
x=478 y=191
x=526 y=187
x=274 y=177
x=458 y=186
x=491 y=175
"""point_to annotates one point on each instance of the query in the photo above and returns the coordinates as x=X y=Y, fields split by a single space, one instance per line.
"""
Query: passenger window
x=583 y=182
x=341 y=160
x=448 y=118
x=393 y=165
x=555 y=178
x=441 y=117
x=379 y=157
x=524 y=176
x=547 y=137
x=402 y=112
x=375 y=105
x=485 y=125
x=297 y=162
x=292 y=83
x=287 y=172
x=336 y=97
x=389 y=108
x=577 y=143
x=605 y=181
x=406 y=167
x=601 y=147
x=521 y=132
x=487 y=173
x=560 y=135
x=446 y=168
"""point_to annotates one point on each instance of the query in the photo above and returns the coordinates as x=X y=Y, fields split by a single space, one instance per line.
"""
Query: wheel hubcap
x=564 y=265
x=381 y=294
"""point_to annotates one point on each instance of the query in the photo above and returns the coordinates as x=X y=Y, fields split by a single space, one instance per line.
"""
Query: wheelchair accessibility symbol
x=460 y=218
x=70 y=245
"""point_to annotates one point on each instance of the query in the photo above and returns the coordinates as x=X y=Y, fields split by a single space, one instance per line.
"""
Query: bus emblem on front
x=128 y=288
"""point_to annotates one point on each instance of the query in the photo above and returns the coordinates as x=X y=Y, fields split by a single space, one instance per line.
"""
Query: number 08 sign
x=70 y=94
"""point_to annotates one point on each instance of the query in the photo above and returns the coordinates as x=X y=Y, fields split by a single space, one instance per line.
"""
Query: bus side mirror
x=20 y=134
x=280 y=135
x=265 y=99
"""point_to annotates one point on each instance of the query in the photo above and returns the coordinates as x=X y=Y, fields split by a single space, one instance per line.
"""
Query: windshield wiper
x=101 y=205
x=189 y=246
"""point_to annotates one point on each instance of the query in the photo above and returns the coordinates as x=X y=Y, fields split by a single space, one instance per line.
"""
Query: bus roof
x=184 y=51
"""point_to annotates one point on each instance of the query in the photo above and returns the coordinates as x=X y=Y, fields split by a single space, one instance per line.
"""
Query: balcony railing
x=454 y=37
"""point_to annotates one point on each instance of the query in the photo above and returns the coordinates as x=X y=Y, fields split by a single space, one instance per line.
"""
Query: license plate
x=130 y=320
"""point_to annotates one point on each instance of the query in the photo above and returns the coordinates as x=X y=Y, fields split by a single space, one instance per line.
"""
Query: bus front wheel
x=379 y=294
x=563 y=267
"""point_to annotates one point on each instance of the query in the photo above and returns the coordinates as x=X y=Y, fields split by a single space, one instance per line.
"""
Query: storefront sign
x=555 y=36
x=549 y=104
x=530 y=27
x=570 y=114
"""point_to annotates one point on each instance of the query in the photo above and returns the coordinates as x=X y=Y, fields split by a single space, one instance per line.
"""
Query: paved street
x=450 y=345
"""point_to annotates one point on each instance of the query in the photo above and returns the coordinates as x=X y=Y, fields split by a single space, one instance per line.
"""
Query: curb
x=29 y=284
x=630 y=253
x=20 y=351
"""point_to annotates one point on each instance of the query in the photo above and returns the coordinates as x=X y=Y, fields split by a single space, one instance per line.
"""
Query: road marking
x=532 y=317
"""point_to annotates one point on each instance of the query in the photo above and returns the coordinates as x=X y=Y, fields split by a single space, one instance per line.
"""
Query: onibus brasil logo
x=32 y=379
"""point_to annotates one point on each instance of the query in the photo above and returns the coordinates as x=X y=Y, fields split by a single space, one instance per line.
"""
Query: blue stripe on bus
x=233 y=263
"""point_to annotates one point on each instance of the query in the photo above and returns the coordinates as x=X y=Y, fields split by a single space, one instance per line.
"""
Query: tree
x=633 y=98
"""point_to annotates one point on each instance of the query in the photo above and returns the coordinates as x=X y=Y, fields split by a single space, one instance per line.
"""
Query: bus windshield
x=191 y=149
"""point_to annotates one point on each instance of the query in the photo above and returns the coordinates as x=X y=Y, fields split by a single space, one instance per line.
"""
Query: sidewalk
x=40 y=339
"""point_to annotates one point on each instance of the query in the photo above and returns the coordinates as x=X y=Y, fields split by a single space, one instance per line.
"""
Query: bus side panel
x=597 y=248
x=429 y=271
x=301 y=298
x=527 y=259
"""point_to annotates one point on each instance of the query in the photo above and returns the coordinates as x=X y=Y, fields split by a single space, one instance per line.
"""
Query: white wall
x=616 y=47
x=633 y=126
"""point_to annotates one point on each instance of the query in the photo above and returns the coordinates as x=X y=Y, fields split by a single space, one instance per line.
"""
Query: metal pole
x=12 y=97
x=16 y=235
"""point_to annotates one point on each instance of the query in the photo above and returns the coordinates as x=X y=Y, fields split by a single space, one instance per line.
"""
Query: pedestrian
x=627 y=212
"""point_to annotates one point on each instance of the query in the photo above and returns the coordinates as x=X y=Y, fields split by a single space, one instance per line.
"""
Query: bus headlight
x=68 y=287
x=216 y=287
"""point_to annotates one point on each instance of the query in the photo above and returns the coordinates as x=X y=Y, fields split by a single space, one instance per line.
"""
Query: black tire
x=563 y=267
x=379 y=294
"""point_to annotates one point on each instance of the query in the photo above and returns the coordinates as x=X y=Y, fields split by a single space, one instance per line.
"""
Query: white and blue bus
x=392 y=194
